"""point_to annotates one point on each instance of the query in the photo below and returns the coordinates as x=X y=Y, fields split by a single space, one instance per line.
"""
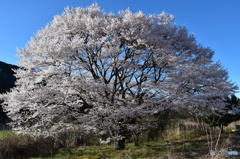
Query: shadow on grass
x=184 y=149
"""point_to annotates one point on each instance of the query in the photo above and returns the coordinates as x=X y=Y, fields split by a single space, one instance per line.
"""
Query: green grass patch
x=181 y=144
x=8 y=134
x=149 y=150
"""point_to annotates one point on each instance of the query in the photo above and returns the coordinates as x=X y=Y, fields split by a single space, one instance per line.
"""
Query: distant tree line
x=7 y=81
x=228 y=115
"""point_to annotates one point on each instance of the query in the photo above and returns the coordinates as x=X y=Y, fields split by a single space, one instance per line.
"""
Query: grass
x=182 y=144
x=148 y=150
x=107 y=152
x=8 y=134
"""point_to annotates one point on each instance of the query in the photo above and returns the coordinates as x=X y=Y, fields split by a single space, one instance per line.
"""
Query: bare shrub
x=25 y=147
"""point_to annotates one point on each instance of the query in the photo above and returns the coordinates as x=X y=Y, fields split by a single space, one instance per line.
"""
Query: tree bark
x=120 y=145
x=136 y=141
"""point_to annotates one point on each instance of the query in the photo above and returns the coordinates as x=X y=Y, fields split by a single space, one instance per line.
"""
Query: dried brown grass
x=25 y=147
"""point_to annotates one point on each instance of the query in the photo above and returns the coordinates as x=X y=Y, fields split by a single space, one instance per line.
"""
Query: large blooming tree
x=110 y=73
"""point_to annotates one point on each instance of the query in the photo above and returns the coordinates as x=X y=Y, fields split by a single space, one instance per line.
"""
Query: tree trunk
x=136 y=141
x=120 y=145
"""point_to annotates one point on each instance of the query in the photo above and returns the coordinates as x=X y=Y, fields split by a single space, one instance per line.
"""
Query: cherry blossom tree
x=110 y=73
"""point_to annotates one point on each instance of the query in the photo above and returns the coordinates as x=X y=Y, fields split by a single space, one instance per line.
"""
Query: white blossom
x=103 y=72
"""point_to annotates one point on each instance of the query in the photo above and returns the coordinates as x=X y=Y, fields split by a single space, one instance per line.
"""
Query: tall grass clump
x=18 y=146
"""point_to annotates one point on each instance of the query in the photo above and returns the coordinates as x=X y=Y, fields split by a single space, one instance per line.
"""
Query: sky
x=215 y=23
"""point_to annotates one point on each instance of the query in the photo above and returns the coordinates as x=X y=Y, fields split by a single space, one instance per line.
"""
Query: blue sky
x=215 y=23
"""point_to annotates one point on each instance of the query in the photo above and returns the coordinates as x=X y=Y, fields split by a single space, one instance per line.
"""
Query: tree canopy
x=110 y=73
